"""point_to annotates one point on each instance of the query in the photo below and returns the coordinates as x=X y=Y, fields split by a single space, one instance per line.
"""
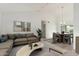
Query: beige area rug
x=69 y=48
x=57 y=48
x=62 y=45
x=45 y=50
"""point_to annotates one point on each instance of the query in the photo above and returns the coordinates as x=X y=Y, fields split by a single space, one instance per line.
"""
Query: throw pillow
x=3 y=39
x=0 y=39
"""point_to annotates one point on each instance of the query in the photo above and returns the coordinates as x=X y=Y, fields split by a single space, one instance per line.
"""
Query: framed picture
x=17 y=26
x=28 y=26
x=20 y=26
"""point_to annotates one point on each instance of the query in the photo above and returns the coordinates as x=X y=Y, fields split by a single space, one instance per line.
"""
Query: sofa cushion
x=17 y=35
x=33 y=39
x=20 y=36
x=3 y=38
x=20 y=43
x=3 y=52
x=6 y=44
x=20 y=40
x=11 y=36
x=30 y=35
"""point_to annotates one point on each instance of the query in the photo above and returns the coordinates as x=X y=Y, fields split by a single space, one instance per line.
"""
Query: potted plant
x=39 y=32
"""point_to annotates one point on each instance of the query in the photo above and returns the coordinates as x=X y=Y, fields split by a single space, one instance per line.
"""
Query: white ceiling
x=21 y=6
x=43 y=8
x=32 y=6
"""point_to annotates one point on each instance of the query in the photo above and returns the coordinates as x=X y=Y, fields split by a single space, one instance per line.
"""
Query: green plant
x=39 y=32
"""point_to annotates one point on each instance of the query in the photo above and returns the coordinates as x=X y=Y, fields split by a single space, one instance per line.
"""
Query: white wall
x=50 y=28
x=50 y=20
x=65 y=14
x=9 y=18
x=0 y=23
x=76 y=22
x=49 y=14
x=54 y=16
x=35 y=18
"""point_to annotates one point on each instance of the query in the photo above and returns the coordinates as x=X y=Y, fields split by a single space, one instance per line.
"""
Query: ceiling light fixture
x=62 y=15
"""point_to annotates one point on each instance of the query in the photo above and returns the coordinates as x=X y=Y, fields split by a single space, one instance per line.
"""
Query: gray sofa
x=14 y=40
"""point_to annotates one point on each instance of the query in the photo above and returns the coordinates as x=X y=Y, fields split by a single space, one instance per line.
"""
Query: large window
x=67 y=28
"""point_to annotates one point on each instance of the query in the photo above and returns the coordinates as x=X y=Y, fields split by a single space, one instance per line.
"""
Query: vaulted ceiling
x=43 y=8
x=21 y=6
x=32 y=6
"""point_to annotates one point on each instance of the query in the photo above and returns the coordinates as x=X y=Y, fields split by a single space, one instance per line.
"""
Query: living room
x=23 y=20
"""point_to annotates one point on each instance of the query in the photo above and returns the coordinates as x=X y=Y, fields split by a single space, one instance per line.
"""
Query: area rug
x=44 y=51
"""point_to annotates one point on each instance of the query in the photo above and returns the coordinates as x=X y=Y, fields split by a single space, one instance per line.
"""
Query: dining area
x=62 y=37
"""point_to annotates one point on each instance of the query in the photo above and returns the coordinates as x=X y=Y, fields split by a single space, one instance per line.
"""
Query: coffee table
x=26 y=50
x=57 y=49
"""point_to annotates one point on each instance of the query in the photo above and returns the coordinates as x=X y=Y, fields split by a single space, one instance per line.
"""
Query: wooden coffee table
x=26 y=50
x=57 y=49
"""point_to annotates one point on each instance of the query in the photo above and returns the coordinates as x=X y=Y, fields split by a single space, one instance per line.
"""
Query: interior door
x=43 y=27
